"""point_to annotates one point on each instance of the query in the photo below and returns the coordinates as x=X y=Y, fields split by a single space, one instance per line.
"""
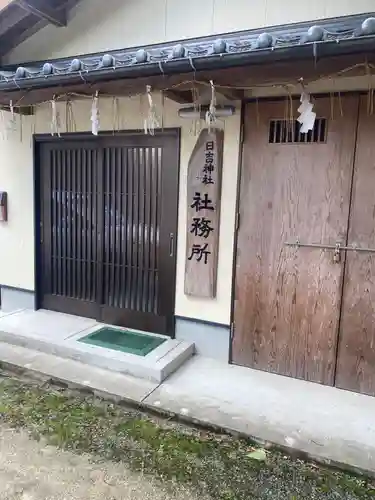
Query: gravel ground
x=76 y=446
x=32 y=470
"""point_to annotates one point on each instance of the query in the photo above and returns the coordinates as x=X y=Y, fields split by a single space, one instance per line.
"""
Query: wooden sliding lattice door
x=108 y=228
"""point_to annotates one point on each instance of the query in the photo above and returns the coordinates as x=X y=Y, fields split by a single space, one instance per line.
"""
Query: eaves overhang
x=309 y=40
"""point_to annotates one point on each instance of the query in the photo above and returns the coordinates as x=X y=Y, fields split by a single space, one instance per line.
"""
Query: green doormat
x=123 y=340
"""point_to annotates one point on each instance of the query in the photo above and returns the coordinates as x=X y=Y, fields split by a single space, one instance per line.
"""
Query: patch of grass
x=215 y=465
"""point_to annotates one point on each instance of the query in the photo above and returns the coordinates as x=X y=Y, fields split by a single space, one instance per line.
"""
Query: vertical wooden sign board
x=203 y=214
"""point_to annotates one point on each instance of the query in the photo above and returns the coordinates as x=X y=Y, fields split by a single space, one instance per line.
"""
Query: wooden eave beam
x=40 y=9
x=21 y=32
x=181 y=97
x=4 y=4
x=231 y=94
x=25 y=110
x=10 y=16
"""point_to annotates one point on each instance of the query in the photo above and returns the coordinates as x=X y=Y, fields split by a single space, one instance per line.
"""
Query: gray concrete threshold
x=59 y=334
x=323 y=422
x=110 y=384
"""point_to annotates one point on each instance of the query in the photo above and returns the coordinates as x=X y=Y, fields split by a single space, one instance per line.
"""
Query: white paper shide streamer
x=12 y=115
x=307 y=116
x=95 y=122
x=11 y=123
x=55 y=118
x=211 y=113
x=151 y=122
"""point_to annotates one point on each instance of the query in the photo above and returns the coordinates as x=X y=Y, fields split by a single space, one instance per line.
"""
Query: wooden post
x=203 y=214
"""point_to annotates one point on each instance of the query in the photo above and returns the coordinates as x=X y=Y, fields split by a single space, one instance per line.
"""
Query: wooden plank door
x=356 y=353
x=287 y=299
x=138 y=241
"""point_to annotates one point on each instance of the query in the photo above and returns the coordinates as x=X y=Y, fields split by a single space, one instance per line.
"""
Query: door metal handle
x=338 y=247
x=298 y=244
x=337 y=254
x=171 y=245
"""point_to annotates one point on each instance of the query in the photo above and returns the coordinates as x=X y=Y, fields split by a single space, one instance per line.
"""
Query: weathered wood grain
x=356 y=355
x=287 y=299
x=203 y=214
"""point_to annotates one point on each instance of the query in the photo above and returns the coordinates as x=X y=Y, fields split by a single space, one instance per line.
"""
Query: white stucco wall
x=17 y=235
x=16 y=177
x=98 y=25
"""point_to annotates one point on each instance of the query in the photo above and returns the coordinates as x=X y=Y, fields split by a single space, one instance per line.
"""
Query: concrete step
x=58 y=334
x=103 y=383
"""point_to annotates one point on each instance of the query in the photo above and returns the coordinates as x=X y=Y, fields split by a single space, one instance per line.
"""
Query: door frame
x=39 y=140
x=244 y=104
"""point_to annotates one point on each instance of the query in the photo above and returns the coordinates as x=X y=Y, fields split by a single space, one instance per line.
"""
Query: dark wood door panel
x=70 y=226
x=131 y=228
x=72 y=306
x=140 y=187
x=356 y=354
x=138 y=320
x=109 y=216
x=287 y=299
